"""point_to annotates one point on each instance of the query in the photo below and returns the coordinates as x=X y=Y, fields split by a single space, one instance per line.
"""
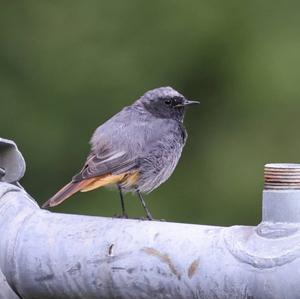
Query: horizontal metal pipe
x=49 y=255
x=6 y=291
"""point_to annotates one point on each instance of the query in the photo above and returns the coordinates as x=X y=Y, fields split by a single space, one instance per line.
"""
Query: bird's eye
x=168 y=102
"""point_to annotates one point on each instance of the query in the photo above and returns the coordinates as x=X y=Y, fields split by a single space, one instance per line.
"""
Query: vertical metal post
x=281 y=195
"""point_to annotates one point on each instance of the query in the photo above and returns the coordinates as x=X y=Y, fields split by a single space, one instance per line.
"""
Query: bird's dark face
x=165 y=102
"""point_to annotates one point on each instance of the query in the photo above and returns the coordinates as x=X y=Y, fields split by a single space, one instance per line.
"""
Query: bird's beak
x=187 y=103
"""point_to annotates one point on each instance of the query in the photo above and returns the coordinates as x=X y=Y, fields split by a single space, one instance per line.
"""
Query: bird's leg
x=149 y=216
x=124 y=215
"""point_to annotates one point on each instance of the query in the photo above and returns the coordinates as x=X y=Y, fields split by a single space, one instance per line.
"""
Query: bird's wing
x=99 y=165
x=116 y=150
x=98 y=171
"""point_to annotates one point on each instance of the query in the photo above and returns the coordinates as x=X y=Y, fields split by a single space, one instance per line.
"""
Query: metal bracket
x=12 y=163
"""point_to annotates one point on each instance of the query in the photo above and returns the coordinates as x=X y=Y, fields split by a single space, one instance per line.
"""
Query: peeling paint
x=76 y=268
x=109 y=259
x=44 y=277
x=163 y=257
x=193 y=268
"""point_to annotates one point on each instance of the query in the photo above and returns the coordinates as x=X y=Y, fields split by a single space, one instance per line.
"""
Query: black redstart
x=136 y=150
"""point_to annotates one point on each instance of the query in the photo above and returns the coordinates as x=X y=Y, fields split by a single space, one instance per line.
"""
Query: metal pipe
x=281 y=195
x=6 y=291
x=50 y=255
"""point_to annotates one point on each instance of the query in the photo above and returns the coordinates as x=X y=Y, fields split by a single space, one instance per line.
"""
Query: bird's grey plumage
x=142 y=136
x=137 y=149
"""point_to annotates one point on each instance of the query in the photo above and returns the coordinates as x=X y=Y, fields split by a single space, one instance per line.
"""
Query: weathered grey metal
x=281 y=206
x=281 y=195
x=12 y=164
x=50 y=255
x=5 y=290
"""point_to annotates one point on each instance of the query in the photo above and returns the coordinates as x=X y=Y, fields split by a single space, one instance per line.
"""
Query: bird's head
x=165 y=102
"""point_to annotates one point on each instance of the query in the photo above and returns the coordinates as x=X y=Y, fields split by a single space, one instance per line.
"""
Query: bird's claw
x=121 y=216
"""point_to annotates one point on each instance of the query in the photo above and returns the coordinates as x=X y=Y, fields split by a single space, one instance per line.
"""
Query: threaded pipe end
x=284 y=176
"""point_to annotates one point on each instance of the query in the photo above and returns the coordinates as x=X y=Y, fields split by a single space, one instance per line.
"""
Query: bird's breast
x=158 y=165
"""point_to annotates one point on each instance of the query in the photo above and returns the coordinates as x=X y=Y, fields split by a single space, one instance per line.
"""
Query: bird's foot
x=143 y=218
x=150 y=219
x=121 y=216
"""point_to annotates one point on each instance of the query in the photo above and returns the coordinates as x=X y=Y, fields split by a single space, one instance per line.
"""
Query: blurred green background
x=67 y=66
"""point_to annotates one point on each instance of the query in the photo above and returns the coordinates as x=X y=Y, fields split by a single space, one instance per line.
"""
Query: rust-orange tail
x=65 y=193
x=88 y=185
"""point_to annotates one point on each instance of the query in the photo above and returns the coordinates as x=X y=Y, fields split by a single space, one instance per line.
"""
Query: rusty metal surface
x=282 y=176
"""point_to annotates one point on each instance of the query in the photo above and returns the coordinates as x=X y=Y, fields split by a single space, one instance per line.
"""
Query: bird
x=136 y=150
